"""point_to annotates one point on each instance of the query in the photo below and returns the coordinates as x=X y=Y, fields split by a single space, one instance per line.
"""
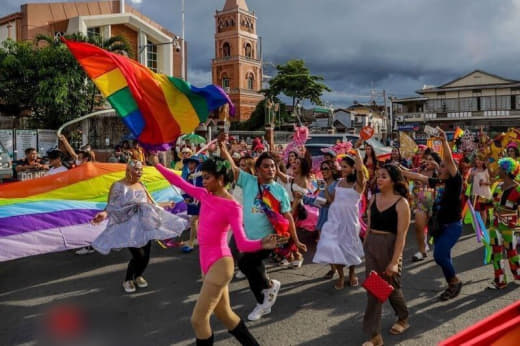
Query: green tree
x=42 y=79
x=295 y=80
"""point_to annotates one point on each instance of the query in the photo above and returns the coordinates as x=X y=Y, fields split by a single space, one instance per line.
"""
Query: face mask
x=78 y=162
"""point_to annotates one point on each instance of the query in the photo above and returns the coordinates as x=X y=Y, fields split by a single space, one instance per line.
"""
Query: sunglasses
x=325 y=169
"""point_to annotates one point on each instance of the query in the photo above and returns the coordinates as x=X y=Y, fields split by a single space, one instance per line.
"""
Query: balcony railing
x=425 y=117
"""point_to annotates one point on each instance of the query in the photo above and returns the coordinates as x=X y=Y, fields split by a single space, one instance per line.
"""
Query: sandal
x=354 y=282
x=329 y=275
x=375 y=341
x=451 y=292
x=399 y=327
x=340 y=284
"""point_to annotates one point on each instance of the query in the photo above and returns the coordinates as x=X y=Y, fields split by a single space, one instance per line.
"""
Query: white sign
x=24 y=139
x=430 y=131
x=47 y=140
x=6 y=138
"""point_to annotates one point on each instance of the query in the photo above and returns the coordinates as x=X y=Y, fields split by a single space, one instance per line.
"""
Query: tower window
x=250 y=82
x=226 y=49
x=249 y=51
x=225 y=82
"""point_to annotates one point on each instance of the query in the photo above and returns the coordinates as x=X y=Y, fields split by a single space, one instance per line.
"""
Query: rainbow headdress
x=53 y=213
x=155 y=107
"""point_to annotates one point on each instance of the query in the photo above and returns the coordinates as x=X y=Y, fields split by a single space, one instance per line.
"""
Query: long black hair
x=400 y=185
x=351 y=178
x=218 y=168
x=372 y=155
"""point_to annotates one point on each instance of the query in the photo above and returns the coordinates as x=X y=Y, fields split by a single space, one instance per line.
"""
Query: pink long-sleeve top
x=217 y=215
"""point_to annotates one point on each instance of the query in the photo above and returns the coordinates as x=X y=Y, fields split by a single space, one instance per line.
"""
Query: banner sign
x=47 y=140
x=24 y=139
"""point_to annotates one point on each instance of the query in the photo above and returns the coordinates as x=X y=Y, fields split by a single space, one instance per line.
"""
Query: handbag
x=435 y=229
x=301 y=212
x=378 y=287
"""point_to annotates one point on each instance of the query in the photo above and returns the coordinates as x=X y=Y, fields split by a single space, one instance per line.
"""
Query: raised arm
x=68 y=147
x=236 y=223
x=415 y=176
x=361 y=176
x=226 y=155
x=196 y=192
x=447 y=156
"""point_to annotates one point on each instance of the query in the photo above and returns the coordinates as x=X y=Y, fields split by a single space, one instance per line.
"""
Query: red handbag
x=378 y=287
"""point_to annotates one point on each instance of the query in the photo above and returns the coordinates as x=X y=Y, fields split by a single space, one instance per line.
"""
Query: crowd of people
x=358 y=207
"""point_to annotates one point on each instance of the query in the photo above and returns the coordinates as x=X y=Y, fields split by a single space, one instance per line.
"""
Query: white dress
x=339 y=241
x=133 y=221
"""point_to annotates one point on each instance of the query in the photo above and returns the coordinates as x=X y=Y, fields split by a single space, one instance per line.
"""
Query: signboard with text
x=24 y=139
x=47 y=140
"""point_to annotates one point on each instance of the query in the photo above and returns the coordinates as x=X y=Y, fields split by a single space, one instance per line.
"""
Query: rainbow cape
x=271 y=207
x=53 y=213
x=156 y=108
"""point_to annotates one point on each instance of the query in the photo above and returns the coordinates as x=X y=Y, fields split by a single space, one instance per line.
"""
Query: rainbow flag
x=156 y=108
x=53 y=213
x=458 y=133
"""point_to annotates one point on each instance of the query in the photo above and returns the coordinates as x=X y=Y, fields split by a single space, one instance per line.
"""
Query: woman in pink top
x=218 y=212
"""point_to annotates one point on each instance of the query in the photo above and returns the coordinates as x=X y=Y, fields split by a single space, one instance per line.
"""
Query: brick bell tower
x=237 y=67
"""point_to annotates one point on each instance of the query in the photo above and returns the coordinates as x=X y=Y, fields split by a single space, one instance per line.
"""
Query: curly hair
x=509 y=166
x=218 y=168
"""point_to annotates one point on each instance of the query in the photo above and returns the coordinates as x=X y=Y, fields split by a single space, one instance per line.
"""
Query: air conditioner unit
x=400 y=118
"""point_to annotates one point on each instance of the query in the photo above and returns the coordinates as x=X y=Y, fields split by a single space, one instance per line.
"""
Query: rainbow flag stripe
x=156 y=108
x=53 y=213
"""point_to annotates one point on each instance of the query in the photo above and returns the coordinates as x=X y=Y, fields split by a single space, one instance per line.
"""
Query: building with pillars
x=103 y=18
x=237 y=65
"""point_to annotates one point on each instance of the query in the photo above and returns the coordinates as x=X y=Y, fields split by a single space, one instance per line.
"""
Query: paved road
x=309 y=310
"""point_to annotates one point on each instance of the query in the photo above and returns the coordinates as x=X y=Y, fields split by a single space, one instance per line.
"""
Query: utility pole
x=183 y=53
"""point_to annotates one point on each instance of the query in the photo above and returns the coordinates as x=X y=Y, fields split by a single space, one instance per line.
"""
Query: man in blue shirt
x=257 y=225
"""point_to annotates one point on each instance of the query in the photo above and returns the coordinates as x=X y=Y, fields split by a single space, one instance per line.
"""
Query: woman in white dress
x=133 y=220
x=340 y=244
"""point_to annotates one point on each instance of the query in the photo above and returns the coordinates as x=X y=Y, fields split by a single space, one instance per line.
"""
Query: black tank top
x=385 y=220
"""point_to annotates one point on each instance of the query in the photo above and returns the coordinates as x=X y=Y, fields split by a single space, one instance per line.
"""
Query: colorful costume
x=134 y=221
x=504 y=233
x=217 y=215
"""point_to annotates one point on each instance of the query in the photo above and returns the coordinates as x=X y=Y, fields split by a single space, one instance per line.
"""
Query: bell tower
x=237 y=67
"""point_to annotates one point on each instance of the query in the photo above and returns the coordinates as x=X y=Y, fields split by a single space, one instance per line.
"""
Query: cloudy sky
x=359 y=45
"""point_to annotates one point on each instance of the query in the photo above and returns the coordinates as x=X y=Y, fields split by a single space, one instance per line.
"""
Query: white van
x=6 y=164
x=317 y=141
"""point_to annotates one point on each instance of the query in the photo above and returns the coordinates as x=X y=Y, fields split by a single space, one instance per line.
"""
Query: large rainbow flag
x=53 y=213
x=155 y=107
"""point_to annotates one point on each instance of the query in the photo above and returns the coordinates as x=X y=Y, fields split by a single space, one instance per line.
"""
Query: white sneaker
x=239 y=275
x=140 y=282
x=129 y=286
x=258 y=312
x=85 y=250
x=270 y=294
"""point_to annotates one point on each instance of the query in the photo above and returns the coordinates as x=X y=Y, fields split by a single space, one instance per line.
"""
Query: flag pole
x=86 y=116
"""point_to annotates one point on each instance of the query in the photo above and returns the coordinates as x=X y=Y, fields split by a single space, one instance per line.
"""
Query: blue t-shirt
x=256 y=224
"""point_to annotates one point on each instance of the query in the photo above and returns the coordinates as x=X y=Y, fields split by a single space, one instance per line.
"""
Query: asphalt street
x=35 y=292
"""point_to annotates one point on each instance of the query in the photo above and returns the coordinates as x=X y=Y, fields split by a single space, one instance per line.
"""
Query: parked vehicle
x=6 y=164
x=316 y=142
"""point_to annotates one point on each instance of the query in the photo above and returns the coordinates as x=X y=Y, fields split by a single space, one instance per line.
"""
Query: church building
x=237 y=66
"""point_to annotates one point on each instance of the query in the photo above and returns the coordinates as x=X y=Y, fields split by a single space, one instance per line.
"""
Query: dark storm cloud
x=357 y=45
